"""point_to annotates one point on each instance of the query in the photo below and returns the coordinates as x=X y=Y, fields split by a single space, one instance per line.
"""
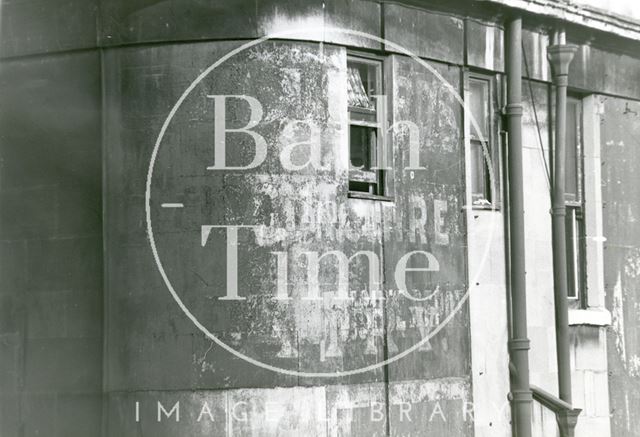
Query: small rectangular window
x=574 y=225
x=575 y=251
x=481 y=149
x=573 y=150
x=364 y=85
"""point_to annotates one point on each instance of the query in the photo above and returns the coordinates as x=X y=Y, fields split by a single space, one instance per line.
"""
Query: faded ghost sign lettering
x=311 y=145
x=268 y=243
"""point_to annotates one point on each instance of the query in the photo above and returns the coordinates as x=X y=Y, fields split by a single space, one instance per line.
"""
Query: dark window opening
x=573 y=152
x=575 y=226
x=481 y=148
x=575 y=252
x=364 y=84
x=362 y=147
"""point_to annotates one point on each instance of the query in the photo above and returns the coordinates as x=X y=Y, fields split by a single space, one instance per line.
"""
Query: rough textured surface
x=540 y=314
x=534 y=46
x=489 y=324
x=418 y=95
x=606 y=72
x=152 y=346
x=485 y=45
x=425 y=33
x=620 y=133
x=139 y=21
x=51 y=229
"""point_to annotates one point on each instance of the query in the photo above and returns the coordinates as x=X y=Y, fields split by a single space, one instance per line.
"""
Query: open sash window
x=366 y=132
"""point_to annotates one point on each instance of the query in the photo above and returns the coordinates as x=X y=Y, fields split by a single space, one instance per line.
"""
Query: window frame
x=576 y=254
x=576 y=247
x=491 y=191
x=380 y=187
x=578 y=199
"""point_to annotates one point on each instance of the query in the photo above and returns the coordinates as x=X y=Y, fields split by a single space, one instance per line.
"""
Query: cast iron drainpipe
x=520 y=396
x=560 y=56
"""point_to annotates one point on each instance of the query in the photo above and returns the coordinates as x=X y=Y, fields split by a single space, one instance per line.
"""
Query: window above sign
x=366 y=132
x=483 y=151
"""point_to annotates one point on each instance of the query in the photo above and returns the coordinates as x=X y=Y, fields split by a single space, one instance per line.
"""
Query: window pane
x=362 y=147
x=479 y=106
x=363 y=82
x=478 y=174
x=572 y=155
x=581 y=256
x=361 y=79
x=575 y=252
x=572 y=253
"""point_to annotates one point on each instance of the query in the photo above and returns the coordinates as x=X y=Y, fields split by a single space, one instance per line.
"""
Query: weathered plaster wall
x=37 y=27
x=620 y=130
x=489 y=324
x=66 y=231
x=488 y=308
x=484 y=45
x=50 y=246
x=598 y=69
x=540 y=306
x=151 y=346
x=50 y=220
x=588 y=339
x=544 y=422
x=588 y=354
x=139 y=21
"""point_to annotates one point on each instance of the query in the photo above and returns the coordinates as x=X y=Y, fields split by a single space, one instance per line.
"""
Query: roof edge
x=583 y=15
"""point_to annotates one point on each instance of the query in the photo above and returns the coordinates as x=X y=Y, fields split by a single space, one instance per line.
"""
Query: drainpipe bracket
x=513 y=109
x=521 y=396
x=519 y=344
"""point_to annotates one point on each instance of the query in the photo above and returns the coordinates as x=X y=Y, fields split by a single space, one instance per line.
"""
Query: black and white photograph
x=319 y=218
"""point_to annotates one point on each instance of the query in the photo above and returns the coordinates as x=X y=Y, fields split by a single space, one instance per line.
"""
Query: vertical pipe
x=519 y=343
x=560 y=56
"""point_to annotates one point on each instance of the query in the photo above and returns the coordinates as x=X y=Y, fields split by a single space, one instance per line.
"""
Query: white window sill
x=595 y=316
